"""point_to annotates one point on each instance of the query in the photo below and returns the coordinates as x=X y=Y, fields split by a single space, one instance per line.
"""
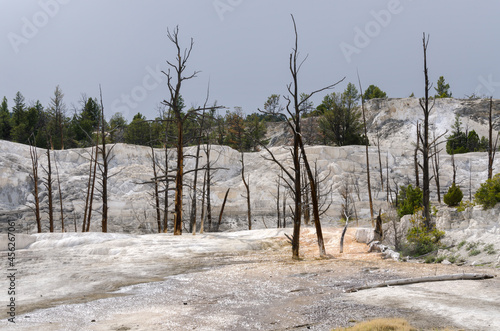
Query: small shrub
x=472 y=245
x=464 y=205
x=488 y=194
x=454 y=196
x=430 y=259
x=452 y=258
x=474 y=252
x=440 y=259
x=490 y=249
x=409 y=199
x=420 y=239
x=461 y=244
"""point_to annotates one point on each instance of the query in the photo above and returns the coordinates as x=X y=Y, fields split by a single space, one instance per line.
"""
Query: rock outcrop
x=131 y=207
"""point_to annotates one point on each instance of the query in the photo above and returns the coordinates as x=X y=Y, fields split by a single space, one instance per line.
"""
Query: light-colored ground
x=234 y=281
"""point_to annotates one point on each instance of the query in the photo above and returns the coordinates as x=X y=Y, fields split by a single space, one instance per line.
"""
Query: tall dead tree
x=34 y=168
x=415 y=157
x=380 y=164
x=61 y=210
x=294 y=108
x=104 y=169
x=368 y=181
x=435 y=167
x=48 y=185
x=174 y=83
x=492 y=147
x=156 y=194
x=424 y=140
x=246 y=183
x=92 y=187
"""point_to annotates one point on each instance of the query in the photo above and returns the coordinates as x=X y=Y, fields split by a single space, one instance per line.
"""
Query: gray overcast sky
x=242 y=48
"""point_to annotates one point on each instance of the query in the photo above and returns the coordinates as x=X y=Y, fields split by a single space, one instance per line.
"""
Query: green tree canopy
x=462 y=141
x=341 y=123
x=374 y=92
x=138 y=131
x=5 y=120
x=442 y=89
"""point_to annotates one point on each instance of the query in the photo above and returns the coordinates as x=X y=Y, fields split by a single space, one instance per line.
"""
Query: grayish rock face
x=131 y=208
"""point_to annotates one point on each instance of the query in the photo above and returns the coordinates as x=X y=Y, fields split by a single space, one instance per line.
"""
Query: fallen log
x=406 y=281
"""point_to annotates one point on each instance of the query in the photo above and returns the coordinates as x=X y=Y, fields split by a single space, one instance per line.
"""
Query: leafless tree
x=492 y=147
x=156 y=194
x=34 y=175
x=246 y=183
x=48 y=185
x=368 y=181
x=424 y=139
x=294 y=108
x=104 y=168
x=415 y=157
x=435 y=166
x=60 y=194
x=174 y=83
x=380 y=164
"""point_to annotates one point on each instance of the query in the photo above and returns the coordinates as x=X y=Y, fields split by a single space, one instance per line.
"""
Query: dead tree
x=246 y=183
x=435 y=167
x=380 y=163
x=104 y=167
x=92 y=187
x=492 y=147
x=343 y=233
x=34 y=168
x=368 y=181
x=202 y=218
x=156 y=194
x=48 y=185
x=295 y=113
x=415 y=157
x=60 y=194
x=424 y=140
x=174 y=83
x=222 y=208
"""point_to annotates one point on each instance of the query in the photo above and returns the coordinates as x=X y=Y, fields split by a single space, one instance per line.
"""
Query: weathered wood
x=407 y=281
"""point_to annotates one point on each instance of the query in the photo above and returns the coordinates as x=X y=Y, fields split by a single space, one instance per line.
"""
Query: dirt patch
x=267 y=290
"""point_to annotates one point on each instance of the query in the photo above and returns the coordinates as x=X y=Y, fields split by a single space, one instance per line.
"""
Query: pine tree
x=5 y=126
x=442 y=89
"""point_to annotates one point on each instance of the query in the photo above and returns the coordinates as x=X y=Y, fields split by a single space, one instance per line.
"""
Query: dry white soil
x=232 y=281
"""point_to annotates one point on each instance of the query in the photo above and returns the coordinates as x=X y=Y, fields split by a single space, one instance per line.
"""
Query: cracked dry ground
x=267 y=290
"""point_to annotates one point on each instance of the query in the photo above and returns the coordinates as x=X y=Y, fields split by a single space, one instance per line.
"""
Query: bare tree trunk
x=202 y=219
x=247 y=187
x=209 y=184
x=380 y=163
x=307 y=209
x=492 y=147
x=367 y=155
x=343 y=234
x=165 y=205
x=278 y=223
x=92 y=189
x=387 y=175
x=156 y=193
x=179 y=180
x=60 y=195
x=34 y=167
x=425 y=141
x=88 y=190
x=104 y=170
x=222 y=208
x=49 y=192
x=435 y=168
x=415 y=157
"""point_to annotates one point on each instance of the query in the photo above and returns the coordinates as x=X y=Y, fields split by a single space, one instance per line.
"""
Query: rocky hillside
x=131 y=209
